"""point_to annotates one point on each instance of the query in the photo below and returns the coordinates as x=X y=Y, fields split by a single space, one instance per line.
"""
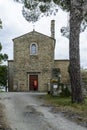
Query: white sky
x=14 y=25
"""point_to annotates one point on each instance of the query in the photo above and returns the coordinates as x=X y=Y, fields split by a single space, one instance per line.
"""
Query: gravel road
x=24 y=111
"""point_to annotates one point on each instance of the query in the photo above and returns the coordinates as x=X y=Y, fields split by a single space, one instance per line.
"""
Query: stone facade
x=63 y=66
x=10 y=75
x=26 y=64
x=33 y=62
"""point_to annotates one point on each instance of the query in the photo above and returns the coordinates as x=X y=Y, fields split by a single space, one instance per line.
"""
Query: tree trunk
x=75 y=76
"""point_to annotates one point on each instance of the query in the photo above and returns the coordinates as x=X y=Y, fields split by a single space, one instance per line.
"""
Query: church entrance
x=33 y=82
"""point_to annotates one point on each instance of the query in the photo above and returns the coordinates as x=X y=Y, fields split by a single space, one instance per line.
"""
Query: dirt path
x=24 y=111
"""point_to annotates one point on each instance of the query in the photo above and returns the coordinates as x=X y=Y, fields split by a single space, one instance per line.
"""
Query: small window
x=33 y=49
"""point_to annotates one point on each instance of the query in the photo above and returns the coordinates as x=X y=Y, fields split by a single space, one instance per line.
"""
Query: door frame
x=33 y=80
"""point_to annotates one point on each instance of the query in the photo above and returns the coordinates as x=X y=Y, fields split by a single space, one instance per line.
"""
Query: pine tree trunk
x=75 y=76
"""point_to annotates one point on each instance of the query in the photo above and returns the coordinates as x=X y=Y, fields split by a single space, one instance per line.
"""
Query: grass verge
x=65 y=102
x=75 y=112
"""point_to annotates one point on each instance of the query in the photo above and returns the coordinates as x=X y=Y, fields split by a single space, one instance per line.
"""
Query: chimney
x=53 y=29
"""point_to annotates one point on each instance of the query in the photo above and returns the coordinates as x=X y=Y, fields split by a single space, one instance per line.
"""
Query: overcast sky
x=14 y=25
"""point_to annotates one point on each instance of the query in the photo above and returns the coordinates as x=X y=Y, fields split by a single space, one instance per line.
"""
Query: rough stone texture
x=10 y=75
x=53 y=28
x=40 y=64
x=26 y=64
x=63 y=65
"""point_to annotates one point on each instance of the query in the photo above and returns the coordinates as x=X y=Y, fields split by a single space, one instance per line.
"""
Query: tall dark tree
x=78 y=17
x=75 y=76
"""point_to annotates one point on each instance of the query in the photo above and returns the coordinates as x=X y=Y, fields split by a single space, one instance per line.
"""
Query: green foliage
x=44 y=1
x=65 y=102
x=28 y=6
x=65 y=92
x=0 y=47
x=33 y=10
x=44 y=8
x=84 y=76
x=57 y=101
x=64 y=4
x=0 y=23
x=85 y=17
x=39 y=8
x=3 y=75
x=56 y=72
x=3 y=57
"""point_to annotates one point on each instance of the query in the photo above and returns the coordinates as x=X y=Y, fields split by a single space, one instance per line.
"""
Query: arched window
x=33 y=49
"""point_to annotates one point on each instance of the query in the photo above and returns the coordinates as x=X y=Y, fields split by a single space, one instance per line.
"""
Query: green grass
x=65 y=104
x=57 y=101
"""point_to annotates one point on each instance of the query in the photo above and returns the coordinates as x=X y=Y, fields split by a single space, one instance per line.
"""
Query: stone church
x=31 y=69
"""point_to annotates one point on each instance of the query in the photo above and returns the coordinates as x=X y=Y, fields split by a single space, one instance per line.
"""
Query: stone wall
x=41 y=64
x=63 y=65
x=26 y=64
x=10 y=75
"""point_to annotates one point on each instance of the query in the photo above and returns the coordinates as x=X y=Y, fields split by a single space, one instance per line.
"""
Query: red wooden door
x=33 y=82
